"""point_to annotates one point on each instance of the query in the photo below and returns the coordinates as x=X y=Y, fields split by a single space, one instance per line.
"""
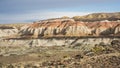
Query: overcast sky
x=17 y=11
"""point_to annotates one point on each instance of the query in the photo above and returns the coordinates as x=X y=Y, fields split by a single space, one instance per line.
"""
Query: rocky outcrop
x=117 y=29
x=103 y=27
x=8 y=32
x=57 y=42
x=69 y=27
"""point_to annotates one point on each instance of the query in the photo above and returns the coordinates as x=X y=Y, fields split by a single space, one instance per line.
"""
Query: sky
x=17 y=11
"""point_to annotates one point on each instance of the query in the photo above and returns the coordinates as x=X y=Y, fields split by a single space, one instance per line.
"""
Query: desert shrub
x=1 y=65
x=78 y=56
x=10 y=66
x=97 y=49
x=115 y=42
x=116 y=45
x=1 y=55
x=34 y=67
x=65 y=56
x=27 y=66
x=77 y=45
x=13 y=54
x=102 y=44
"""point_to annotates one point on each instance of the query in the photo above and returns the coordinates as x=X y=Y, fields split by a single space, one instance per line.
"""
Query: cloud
x=37 y=16
x=30 y=10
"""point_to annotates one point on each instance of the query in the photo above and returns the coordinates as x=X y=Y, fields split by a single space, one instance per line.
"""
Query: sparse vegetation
x=59 y=56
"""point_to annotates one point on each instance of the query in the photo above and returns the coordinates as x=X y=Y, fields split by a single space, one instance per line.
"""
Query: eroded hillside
x=101 y=25
x=69 y=28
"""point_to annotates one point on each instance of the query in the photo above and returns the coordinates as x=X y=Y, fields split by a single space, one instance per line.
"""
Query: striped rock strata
x=69 y=27
x=56 y=28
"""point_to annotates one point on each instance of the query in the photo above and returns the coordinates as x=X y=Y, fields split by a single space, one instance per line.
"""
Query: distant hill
x=88 y=25
x=98 y=17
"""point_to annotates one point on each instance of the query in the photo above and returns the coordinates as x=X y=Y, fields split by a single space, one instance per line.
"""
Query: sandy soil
x=100 y=56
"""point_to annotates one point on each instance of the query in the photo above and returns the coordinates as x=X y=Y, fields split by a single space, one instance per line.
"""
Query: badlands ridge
x=97 y=24
x=64 y=31
x=69 y=27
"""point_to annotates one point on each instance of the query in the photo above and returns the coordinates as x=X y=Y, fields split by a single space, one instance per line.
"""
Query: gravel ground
x=100 y=56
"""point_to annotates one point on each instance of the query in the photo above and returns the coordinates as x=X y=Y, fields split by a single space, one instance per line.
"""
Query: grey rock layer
x=56 y=42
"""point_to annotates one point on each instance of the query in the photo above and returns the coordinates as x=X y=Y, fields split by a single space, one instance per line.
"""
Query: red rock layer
x=69 y=27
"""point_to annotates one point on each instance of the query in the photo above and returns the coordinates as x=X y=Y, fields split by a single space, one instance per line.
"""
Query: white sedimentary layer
x=117 y=30
x=8 y=32
x=56 y=42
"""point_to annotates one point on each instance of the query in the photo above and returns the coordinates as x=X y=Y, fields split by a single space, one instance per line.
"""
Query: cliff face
x=117 y=29
x=64 y=27
x=69 y=27
x=103 y=27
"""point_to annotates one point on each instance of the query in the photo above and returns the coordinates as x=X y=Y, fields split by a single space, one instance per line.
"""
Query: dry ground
x=100 y=56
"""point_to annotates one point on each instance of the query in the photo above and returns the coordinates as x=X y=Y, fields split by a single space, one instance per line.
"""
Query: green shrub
x=97 y=49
